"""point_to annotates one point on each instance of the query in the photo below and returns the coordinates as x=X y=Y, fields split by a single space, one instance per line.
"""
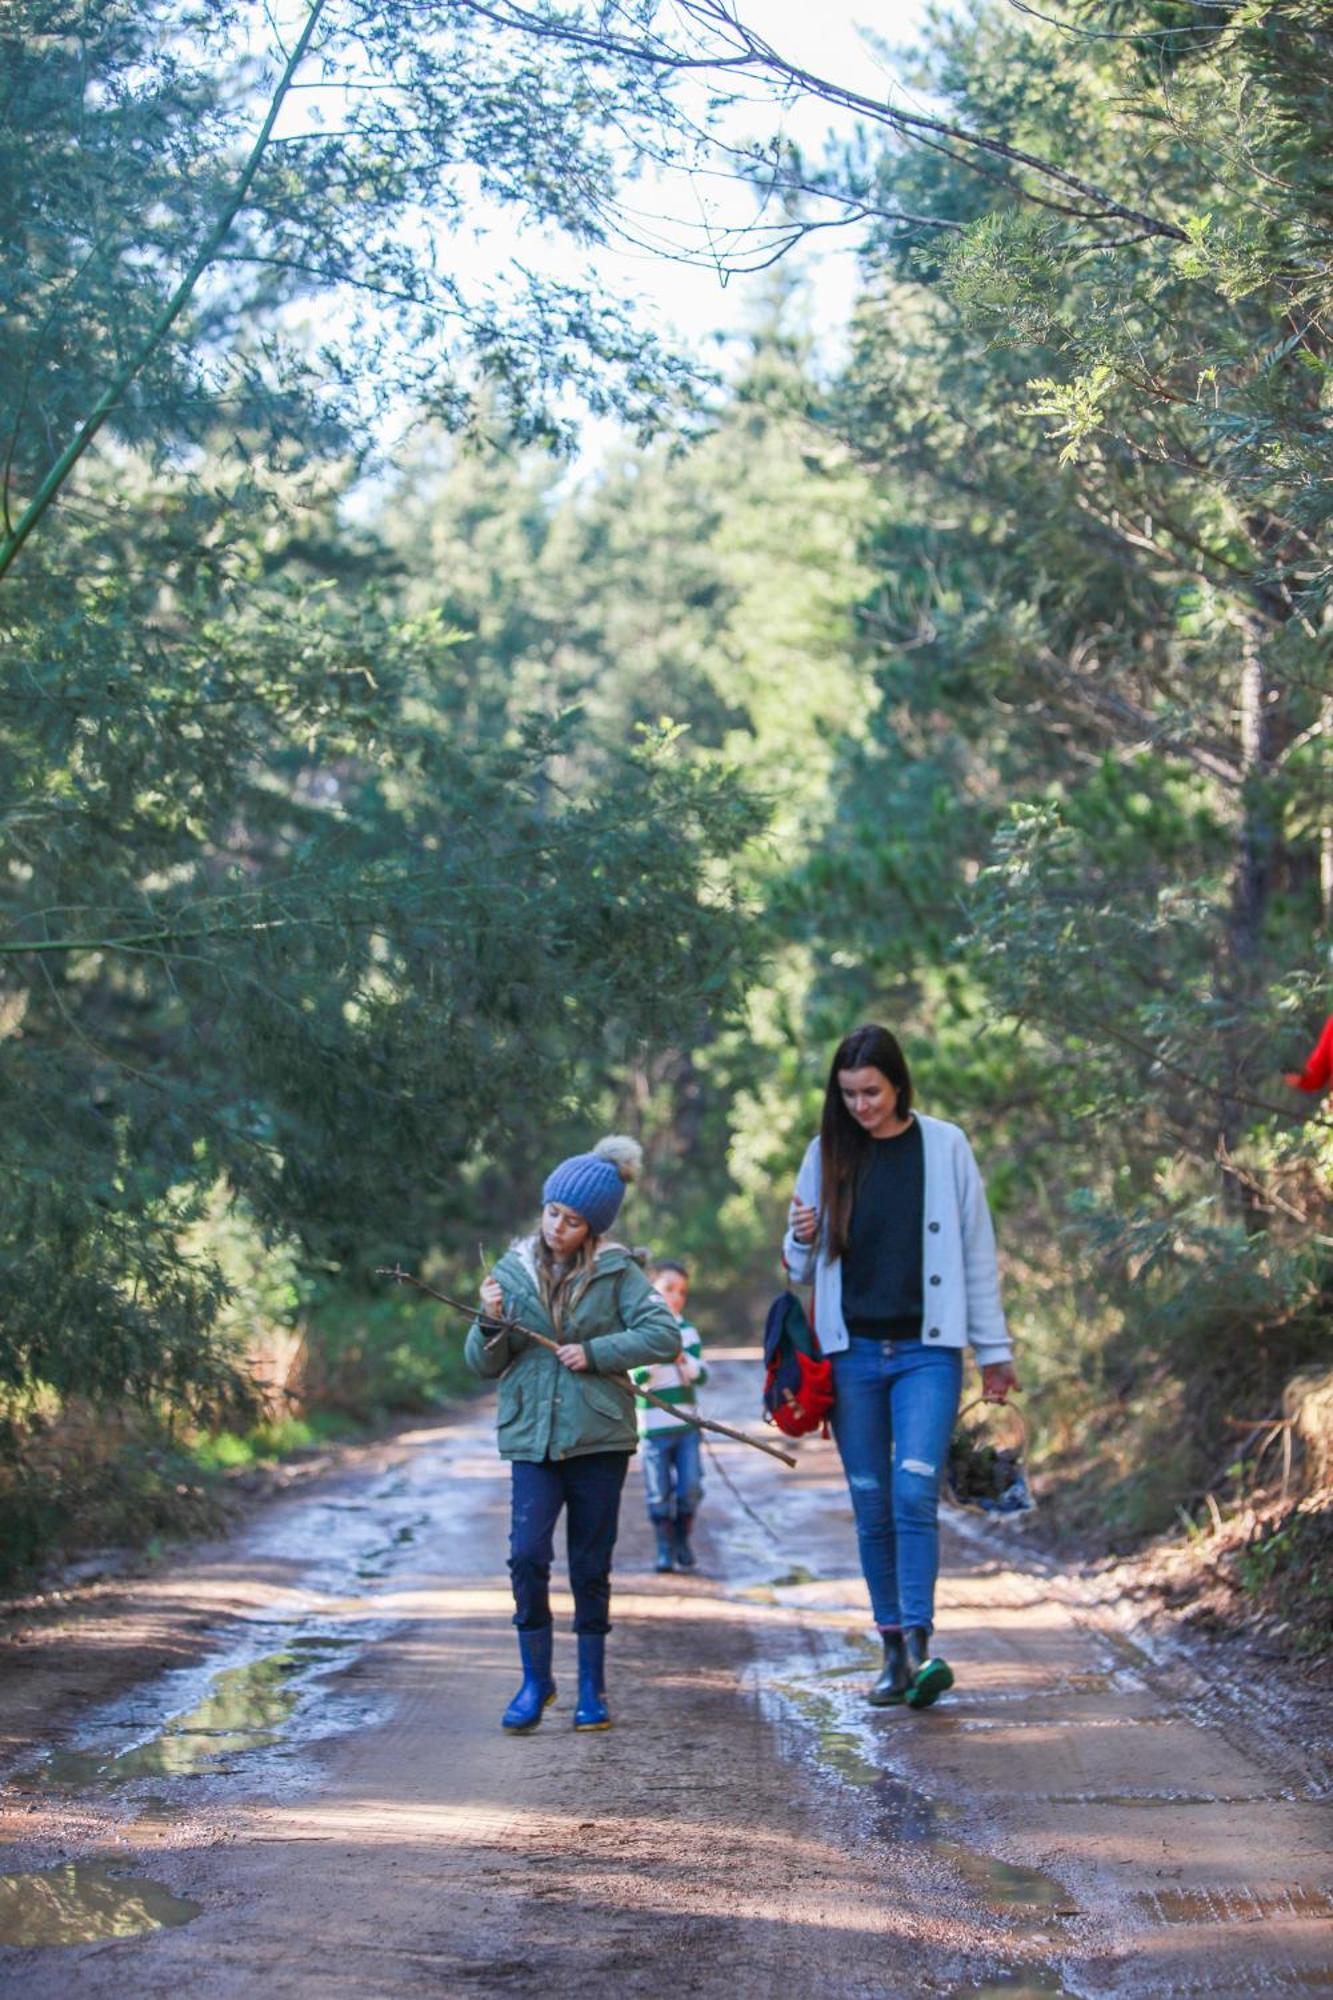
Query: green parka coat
x=546 y=1410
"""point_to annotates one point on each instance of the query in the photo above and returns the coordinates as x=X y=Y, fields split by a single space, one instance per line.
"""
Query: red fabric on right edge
x=1318 y=1071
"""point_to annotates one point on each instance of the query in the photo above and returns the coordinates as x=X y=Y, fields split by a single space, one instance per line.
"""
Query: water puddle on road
x=1006 y=1886
x=84 y=1901
x=1033 y=1983
x=794 y=1578
x=836 y=1748
x=245 y=1708
x=841 y=1743
x=276 y=1678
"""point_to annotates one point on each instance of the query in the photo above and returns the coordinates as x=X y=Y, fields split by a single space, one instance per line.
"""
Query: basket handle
x=979 y=1403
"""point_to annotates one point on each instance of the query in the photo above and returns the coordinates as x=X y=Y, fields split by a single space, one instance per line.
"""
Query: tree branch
x=111 y=396
x=758 y=57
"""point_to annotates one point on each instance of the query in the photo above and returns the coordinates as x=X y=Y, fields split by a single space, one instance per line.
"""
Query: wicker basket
x=984 y=1472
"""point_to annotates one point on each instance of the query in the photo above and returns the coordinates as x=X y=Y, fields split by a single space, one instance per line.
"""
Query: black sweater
x=881 y=1268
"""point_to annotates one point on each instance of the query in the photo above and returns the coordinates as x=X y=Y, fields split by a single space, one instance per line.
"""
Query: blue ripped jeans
x=896 y=1401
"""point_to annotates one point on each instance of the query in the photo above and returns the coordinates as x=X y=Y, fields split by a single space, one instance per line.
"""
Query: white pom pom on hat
x=624 y=1153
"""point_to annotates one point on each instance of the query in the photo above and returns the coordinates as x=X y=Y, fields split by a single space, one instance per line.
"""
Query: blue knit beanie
x=593 y=1184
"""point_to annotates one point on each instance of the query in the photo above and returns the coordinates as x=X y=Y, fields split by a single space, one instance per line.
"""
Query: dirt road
x=291 y=1781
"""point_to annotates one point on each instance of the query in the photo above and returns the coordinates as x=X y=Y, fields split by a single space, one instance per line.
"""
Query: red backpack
x=798 y=1381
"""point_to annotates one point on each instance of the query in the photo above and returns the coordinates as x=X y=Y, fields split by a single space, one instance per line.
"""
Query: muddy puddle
x=841 y=1744
x=343 y=1544
x=1033 y=1984
x=85 y=1901
x=252 y=1707
x=245 y=1708
x=1007 y=1886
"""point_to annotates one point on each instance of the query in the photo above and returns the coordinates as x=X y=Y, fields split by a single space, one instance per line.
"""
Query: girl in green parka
x=565 y=1420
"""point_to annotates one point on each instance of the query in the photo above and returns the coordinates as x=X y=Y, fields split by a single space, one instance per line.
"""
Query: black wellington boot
x=891 y=1688
x=928 y=1675
x=685 y=1556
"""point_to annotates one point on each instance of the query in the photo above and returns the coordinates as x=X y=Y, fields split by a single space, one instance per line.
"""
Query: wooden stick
x=675 y=1410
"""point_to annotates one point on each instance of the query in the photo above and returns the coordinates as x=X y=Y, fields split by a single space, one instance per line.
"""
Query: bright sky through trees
x=831 y=43
x=829 y=40
x=670 y=271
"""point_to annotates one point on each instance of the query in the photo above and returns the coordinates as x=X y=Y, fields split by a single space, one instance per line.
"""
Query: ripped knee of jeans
x=872 y=1503
x=916 y=1492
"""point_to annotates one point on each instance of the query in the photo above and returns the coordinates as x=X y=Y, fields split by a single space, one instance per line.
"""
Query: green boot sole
x=933 y=1680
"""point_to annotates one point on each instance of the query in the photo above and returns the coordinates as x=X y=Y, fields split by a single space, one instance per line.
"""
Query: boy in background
x=672 y=1470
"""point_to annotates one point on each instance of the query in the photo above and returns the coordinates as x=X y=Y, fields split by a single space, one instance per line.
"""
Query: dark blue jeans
x=893 y=1417
x=672 y=1475
x=589 y=1488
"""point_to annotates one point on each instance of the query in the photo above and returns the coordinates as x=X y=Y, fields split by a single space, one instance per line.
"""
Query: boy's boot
x=592 y=1712
x=894 y=1679
x=685 y=1556
x=928 y=1675
x=665 y=1557
x=538 y=1689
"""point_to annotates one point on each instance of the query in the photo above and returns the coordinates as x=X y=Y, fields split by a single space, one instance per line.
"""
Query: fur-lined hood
x=524 y=1248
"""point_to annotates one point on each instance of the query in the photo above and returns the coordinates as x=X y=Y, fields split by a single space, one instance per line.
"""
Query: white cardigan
x=960 y=1278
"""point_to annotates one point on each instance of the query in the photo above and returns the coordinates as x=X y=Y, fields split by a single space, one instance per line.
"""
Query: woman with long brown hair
x=890 y=1221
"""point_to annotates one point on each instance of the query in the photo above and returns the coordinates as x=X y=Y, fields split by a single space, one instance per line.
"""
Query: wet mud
x=320 y=1803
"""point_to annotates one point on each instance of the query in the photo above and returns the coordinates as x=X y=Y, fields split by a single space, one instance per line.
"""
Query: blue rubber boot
x=592 y=1712
x=665 y=1551
x=538 y=1690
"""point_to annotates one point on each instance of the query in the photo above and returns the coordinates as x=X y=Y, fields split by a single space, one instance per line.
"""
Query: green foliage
x=1077 y=858
x=160 y=234
x=298 y=921
x=368 y=1356
x=365 y=846
x=232 y=1451
x=1286 y=1568
x=82 y=1478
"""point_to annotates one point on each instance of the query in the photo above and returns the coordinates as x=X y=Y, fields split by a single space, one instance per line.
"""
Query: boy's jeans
x=672 y=1475
x=893 y=1417
x=589 y=1487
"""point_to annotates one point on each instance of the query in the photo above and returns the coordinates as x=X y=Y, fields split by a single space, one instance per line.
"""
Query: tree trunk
x=1257 y=839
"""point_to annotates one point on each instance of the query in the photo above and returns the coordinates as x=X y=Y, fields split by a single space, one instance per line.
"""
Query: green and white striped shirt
x=674 y=1381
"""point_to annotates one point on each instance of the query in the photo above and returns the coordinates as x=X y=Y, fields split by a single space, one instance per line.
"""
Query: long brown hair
x=561 y=1289
x=844 y=1147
